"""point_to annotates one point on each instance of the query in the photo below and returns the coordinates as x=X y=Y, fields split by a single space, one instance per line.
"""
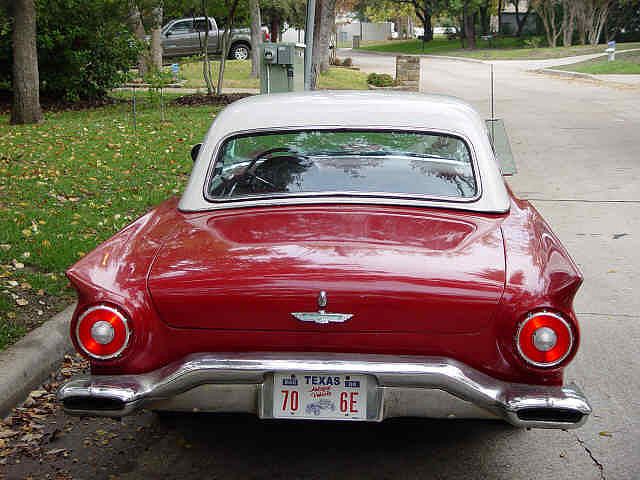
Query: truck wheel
x=239 y=51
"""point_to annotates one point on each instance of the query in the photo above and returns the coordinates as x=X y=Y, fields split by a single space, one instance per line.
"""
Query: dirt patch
x=212 y=100
x=49 y=104
x=58 y=105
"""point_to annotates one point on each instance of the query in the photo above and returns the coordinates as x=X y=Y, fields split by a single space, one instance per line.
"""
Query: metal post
x=161 y=104
x=134 y=108
x=308 y=40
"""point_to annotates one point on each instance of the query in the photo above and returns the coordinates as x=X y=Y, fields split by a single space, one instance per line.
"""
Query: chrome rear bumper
x=415 y=386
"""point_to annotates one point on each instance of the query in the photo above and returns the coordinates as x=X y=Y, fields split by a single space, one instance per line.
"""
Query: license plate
x=320 y=396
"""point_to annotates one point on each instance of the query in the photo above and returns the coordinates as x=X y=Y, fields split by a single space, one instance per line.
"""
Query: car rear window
x=359 y=162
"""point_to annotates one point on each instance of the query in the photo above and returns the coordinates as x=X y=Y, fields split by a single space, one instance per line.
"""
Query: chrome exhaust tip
x=551 y=415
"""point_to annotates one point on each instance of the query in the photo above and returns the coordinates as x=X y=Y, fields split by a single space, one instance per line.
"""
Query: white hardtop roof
x=358 y=110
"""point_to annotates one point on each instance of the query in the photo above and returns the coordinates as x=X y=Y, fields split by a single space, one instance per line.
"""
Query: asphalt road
x=577 y=146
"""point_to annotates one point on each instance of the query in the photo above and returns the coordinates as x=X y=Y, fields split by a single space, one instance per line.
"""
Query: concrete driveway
x=577 y=145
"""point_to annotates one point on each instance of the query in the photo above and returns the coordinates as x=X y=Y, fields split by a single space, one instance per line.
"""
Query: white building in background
x=366 y=31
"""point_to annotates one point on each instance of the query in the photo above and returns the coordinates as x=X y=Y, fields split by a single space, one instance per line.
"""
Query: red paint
x=418 y=281
x=395 y=270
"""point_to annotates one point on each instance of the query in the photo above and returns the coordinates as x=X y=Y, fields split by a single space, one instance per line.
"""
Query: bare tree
x=206 y=66
x=547 y=11
x=156 y=35
x=569 y=13
x=256 y=36
x=135 y=23
x=595 y=18
x=231 y=8
x=26 y=80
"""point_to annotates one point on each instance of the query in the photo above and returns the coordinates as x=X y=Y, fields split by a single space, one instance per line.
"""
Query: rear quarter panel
x=540 y=274
x=116 y=273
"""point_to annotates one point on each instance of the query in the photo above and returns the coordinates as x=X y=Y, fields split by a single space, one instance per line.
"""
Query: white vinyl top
x=358 y=110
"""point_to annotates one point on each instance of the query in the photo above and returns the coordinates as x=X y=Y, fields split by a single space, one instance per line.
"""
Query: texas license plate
x=320 y=396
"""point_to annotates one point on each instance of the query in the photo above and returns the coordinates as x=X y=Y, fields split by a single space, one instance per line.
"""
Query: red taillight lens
x=267 y=36
x=103 y=332
x=544 y=339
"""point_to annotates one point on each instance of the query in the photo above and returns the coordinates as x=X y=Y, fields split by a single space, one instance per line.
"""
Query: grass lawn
x=70 y=183
x=625 y=63
x=507 y=48
x=237 y=75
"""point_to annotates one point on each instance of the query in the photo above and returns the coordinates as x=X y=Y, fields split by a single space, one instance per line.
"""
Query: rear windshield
x=337 y=161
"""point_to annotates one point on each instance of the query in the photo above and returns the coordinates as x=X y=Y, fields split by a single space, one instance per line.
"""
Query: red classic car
x=359 y=251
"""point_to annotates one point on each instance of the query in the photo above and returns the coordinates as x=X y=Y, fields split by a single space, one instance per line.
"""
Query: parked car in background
x=185 y=36
x=356 y=256
x=445 y=30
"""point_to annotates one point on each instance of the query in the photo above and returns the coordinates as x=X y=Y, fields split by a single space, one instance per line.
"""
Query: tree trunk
x=206 y=66
x=275 y=28
x=597 y=19
x=256 y=37
x=568 y=21
x=135 y=23
x=546 y=11
x=316 y=56
x=485 y=17
x=26 y=81
x=428 y=30
x=470 y=28
x=156 y=37
x=521 y=20
x=326 y=26
x=225 y=44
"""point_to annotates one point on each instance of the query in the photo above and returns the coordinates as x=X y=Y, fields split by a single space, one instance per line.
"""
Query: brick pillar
x=408 y=72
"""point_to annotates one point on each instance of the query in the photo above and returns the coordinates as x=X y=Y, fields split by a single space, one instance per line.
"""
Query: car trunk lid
x=393 y=270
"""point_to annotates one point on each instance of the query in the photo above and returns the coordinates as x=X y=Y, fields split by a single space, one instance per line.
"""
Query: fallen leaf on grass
x=31 y=437
x=55 y=451
x=6 y=433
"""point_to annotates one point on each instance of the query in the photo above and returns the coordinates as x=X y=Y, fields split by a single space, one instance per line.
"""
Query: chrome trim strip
x=413 y=373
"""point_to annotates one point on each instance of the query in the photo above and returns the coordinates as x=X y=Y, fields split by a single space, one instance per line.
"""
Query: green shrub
x=83 y=47
x=380 y=80
x=533 y=42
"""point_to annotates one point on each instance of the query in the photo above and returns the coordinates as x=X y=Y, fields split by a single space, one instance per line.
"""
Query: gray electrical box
x=281 y=67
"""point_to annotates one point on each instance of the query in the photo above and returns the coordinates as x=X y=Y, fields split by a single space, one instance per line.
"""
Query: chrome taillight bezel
x=558 y=317
x=116 y=312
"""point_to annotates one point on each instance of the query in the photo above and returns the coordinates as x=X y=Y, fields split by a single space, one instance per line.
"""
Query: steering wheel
x=249 y=172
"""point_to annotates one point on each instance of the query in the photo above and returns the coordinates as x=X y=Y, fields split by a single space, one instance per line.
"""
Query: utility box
x=281 y=67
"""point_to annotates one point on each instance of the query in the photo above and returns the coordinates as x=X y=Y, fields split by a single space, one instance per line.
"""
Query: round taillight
x=544 y=339
x=103 y=332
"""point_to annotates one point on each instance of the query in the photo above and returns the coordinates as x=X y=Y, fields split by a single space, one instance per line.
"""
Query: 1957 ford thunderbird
x=354 y=250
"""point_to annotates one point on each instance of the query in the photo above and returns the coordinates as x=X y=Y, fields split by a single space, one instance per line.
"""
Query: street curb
x=27 y=363
x=421 y=55
x=567 y=74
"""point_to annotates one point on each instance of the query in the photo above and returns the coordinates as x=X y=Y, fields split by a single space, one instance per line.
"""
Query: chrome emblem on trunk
x=321 y=316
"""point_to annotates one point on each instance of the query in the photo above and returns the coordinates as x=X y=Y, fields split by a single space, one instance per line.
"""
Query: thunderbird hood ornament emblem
x=321 y=316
